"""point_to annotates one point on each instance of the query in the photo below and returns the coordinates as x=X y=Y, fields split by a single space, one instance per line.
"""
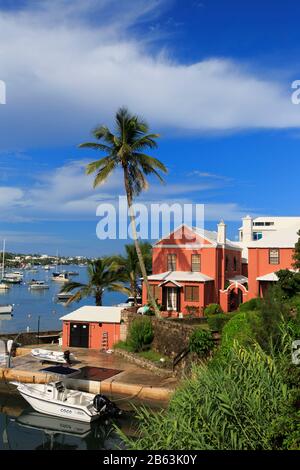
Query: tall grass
x=232 y=407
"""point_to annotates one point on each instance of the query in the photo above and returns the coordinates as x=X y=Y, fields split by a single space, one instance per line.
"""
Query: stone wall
x=171 y=337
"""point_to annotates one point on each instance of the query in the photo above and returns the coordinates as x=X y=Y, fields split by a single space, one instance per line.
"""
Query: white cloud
x=69 y=65
x=66 y=194
x=10 y=196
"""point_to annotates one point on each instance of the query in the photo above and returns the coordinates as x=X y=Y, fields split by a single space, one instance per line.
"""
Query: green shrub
x=221 y=408
x=212 y=309
x=295 y=303
x=238 y=328
x=201 y=342
x=140 y=334
x=253 y=304
x=289 y=282
x=217 y=322
x=266 y=325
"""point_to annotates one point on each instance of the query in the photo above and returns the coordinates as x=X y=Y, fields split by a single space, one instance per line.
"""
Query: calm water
x=29 y=305
x=22 y=428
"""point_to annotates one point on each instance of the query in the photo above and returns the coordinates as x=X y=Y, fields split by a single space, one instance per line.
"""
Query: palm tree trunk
x=98 y=298
x=133 y=290
x=137 y=245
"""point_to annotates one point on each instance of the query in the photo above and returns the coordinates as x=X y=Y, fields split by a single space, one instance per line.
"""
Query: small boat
x=58 y=357
x=6 y=309
x=56 y=400
x=130 y=302
x=63 y=296
x=12 y=279
x=38 y=285
x=73 y=273
x=46 y=268
x=18 y=274
x=4 y=286
x=60 y=277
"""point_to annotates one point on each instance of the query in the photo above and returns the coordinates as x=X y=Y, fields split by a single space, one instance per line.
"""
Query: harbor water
x=22 y=428
x=33 y=308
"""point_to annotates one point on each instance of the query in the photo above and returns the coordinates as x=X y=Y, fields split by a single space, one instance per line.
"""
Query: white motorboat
x=38 y=285
x=18 y=274
x=56 y=400
x=130 y=302
x=6 y=309
x=12 y=278
x=60 y=277
x=64 y=296
x=58 y=357
x=47 y=267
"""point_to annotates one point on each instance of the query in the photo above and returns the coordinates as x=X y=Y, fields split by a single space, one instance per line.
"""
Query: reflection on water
x=22 y=428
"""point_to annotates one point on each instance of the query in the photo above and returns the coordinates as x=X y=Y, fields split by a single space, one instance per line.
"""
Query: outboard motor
x=104 y=405
x=67 y=357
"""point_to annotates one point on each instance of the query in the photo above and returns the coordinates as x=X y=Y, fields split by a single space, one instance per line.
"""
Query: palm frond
x=102 y=132
x=93 y=166
x=150 y=161
x=104 y=173
x=68 y=287
x=95 y=146
x=146 y=141
x=115 y=287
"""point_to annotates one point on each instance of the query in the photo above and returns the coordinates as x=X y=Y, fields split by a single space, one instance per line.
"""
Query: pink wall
x=95 y=334
x=206 y=295
x=213 y=262
x=258 y=265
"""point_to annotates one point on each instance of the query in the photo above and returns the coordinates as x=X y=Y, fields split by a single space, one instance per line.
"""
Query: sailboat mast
x=3 y=259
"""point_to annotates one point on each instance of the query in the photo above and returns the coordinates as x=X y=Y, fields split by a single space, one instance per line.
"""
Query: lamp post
x=39 y=317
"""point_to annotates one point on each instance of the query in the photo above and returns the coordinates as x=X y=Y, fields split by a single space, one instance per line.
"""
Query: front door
x=79 y=335
x=172 y=298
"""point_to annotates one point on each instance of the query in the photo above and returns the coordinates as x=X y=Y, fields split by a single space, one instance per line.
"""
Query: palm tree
x=103 y=274
x=125 y=150
x=130 y=268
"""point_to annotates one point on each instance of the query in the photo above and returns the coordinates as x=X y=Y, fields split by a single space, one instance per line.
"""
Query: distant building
x=264 y=228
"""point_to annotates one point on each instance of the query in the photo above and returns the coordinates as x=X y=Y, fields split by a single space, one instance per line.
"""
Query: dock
x=100 y=373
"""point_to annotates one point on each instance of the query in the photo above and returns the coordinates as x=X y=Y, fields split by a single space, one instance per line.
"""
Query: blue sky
x=212 y=77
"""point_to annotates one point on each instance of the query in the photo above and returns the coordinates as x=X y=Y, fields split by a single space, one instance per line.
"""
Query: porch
x=181 y=293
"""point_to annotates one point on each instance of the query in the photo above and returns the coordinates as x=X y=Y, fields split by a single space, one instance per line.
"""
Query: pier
x=100 y=373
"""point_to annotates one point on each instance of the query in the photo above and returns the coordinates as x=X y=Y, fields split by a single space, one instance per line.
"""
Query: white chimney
x=247 y=229
x=221 y=233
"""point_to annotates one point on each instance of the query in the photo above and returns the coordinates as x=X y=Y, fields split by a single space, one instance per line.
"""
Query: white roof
x=212 y=236
x=239 y=278
x=279 y=239
x=180 y=276
x=272 y=277
x=95 y=314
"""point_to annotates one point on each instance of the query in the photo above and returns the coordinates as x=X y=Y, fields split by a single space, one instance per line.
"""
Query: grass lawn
x=150 y=354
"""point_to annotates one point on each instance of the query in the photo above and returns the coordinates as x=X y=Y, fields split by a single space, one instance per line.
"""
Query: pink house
x=266 y=257
x=193 y=268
